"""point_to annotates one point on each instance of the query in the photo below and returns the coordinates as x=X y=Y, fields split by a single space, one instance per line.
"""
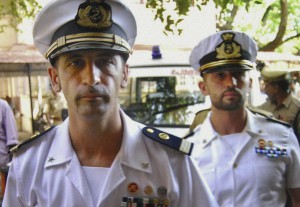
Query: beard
x=231 y=103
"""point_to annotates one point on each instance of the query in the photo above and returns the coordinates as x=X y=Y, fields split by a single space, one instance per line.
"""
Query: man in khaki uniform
x=281 y=103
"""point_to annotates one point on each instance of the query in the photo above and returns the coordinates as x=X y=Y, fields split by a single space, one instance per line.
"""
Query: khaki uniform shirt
x=287 y=112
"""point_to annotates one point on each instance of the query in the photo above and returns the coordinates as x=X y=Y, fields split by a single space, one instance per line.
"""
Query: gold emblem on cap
x=94 y=14
x=164 y=136
x=228 y=49
x=150 y=130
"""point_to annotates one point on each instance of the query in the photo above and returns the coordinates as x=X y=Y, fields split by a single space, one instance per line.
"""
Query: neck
x=96 y=142
x=228 y=122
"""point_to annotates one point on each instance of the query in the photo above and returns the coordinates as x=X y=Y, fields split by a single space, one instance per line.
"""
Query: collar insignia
x=51 y=159
x=228 y=49
x=94 y=14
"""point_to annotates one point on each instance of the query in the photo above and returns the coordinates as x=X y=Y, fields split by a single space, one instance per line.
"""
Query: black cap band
x=73 y=37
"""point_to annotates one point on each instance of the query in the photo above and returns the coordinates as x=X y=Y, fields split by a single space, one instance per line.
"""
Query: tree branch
x=271 y=46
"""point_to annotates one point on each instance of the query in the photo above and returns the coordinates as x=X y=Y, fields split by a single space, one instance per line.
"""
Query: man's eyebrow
x=73 y=55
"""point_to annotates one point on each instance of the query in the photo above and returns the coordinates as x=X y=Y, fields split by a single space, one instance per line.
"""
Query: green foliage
x=16 y=10
x=171 y=21
x=160 y=8
x=240 y=15
x=267 y=30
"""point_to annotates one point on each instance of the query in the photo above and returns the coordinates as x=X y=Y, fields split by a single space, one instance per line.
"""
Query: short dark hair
x=284 y=84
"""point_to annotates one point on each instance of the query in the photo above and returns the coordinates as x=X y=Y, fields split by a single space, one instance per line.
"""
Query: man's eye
x=239 y=75
x=220 y=75
x=76 y=63
x=104 y=62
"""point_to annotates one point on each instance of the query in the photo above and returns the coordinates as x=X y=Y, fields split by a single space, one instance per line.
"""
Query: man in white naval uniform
x=247 y=159
x=98 y=156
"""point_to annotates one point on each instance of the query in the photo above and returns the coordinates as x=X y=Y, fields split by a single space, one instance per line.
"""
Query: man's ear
x=203 y=87
x=54 y=79
x=124 y=80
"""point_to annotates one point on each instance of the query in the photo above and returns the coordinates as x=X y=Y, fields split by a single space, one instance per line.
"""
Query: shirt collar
x=133 y=152
x=205 y=133
x=252 y=127
x=288 y=100
x=61 y=149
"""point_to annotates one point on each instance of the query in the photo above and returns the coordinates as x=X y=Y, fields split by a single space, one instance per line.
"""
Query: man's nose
x=91 y=75
x=231 y=81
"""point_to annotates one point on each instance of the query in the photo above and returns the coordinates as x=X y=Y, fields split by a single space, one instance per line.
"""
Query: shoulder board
x=169 y=140
x=267 y=115
x=256 y=110
x=279 y=121
x=34 y=137
x=191 y=133
x=204 y=110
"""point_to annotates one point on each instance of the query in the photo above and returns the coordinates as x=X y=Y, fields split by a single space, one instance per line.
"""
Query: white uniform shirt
x=47 y=173
x=246 y=178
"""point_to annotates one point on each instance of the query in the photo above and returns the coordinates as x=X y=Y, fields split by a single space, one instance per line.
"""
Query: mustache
x=92 y=91
x=233 y=89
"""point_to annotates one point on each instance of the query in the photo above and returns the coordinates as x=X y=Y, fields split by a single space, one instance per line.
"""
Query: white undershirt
x=96 y=177
x=234 y=140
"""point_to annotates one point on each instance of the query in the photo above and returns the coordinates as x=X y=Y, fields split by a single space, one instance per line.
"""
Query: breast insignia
x=169 y=140
x=269 y=150
x=34 y=137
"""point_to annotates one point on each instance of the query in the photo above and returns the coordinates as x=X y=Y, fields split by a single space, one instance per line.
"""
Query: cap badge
x=94 y=14
x=228 y=48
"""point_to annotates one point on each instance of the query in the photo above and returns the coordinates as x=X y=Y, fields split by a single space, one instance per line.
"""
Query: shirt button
x=235 y=165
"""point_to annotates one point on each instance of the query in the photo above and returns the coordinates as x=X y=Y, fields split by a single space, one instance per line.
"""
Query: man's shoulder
x=199 y=118
x=4 y=103
x=32 y=141
x=265 y=117
x=168 y=140
x=296 y=101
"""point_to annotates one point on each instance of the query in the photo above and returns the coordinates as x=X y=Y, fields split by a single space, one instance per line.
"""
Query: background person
x=98 y=156
x=52 y=109
x=247 y=159
x=281 y=102
x=8 y=132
